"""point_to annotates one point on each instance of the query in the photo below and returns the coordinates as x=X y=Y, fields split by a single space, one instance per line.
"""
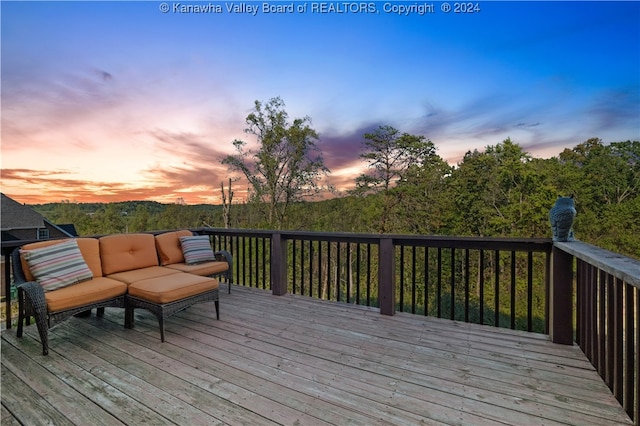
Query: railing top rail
x=520 y=244
x=233 y=232
x=622 y=267
x=479 y=243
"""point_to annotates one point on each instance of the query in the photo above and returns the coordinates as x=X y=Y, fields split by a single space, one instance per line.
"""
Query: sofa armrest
x=225 y=256
x=31 y=301
x=16 y=265
x=34 y=294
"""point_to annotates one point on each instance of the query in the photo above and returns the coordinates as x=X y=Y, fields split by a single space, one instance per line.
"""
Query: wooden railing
x=607 y=316
x=525 y=284
x=494 y=281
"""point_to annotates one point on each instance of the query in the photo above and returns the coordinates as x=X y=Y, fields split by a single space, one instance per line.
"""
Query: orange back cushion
x=169 y=248
x=124 y=252
x=89 y=247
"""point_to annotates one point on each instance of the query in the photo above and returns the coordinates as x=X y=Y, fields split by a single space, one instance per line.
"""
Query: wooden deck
x=296 y=361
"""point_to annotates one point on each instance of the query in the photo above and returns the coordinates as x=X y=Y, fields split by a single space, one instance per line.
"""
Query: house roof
x=69 y=228
x=18 y=216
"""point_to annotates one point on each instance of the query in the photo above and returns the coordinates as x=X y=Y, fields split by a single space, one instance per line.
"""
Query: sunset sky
x=115 y=101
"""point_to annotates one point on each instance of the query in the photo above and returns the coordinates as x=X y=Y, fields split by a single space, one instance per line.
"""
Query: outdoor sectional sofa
x=164 y=274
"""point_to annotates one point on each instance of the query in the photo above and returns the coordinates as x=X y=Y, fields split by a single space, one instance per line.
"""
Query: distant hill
x=153 y=207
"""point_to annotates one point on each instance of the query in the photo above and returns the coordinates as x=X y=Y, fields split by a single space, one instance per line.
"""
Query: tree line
x=407 y=187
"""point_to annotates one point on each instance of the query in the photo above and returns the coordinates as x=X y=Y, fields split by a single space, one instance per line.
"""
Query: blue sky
x=110 y=101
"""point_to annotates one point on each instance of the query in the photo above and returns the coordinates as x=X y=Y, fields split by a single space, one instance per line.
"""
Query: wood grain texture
x=293 y=360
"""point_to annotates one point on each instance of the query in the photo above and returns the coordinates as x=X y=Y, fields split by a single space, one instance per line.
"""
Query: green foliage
x=406 y=174
x=501 y=191
x=131 y=216
x=605 y=181
x=286 y=167
x=390 y=156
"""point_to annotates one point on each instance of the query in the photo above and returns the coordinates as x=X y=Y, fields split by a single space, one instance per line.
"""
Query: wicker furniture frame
x=165 y=310
x=225 y=256
x=32 y=303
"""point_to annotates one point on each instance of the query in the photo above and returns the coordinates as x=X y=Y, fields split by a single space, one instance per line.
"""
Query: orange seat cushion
x=171 y=287
x=169 y=248
x=134 y=275
x=84 y=293
x=204 y=269
x=124 y=252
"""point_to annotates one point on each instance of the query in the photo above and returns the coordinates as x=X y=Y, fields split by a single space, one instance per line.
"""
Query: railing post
x=278 y=265
x=561 y=295
x=387 y=277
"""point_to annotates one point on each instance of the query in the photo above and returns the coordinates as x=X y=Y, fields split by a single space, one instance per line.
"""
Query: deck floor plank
x=510 y=393
x=441 y=352
x=348 y=375
x=297 y=361
x=142 y=381
x=391 y=368
x=199 y=365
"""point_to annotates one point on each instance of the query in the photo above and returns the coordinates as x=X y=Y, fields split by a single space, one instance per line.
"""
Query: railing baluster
x=628 y=400
x=439 y=288
x=581 y=303
x=301 y=266
x=530 y=291
x=349 y=275
x=466 y=285
x=337 y=275
x=413 y=279
x=496 y=290
x=294 y=268
x=590 y=286
x=250 y=262
x=401 y=278
x=358 y=255
x=426 y=281
x=513 y=290
x=320 y=292
x=253 y=264
x=611 y=311
x=452 y=314
x=481 y=285
x=636 y=413
x=618 y=348
x=311 y=270
x=368 y=274
x=244 y=261
x=329 y=277
x=602 y=320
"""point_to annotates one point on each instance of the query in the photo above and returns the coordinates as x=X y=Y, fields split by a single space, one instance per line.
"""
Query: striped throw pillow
x=58 y=265
x=196 y=249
